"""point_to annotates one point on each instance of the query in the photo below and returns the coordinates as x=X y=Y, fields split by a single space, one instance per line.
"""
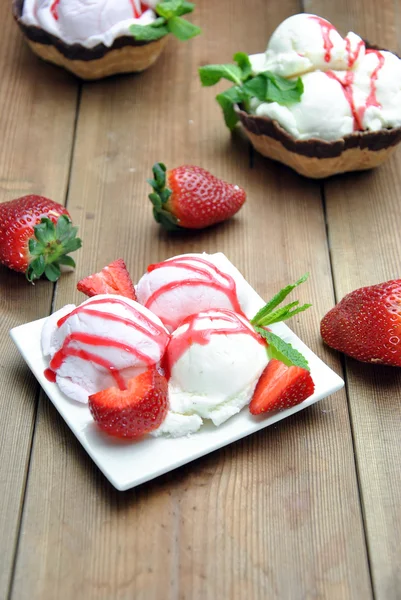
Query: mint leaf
x=174 y=8
x=280 y=90
x=276 y=300
x=148 y=33
x=257 y=87
x=211 y=74
x=230 y=116
x=244 y=64
x=282 y=351
x=182 y=29
x=227 y=100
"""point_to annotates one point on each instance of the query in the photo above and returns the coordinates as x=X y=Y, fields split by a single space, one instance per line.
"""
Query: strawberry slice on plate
x=133 y=412
x=112 y=279
x=280 y=387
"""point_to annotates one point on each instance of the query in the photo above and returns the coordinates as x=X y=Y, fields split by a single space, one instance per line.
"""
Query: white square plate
x=128 y=464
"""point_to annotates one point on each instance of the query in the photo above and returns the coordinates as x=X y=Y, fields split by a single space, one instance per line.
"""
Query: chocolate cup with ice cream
x=317 y=158
x=126 y=55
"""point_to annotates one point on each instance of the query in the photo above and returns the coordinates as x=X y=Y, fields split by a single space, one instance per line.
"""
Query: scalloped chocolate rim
x=314 y=148
x=70 y=51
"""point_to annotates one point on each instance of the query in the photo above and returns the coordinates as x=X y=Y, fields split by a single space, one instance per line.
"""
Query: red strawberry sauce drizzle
x=50 y=375
x=182 y=341
x=148 y=328
x=353 y=55
x=210 y=280
x=346 y=84
x=53 y=9
x=326 y=29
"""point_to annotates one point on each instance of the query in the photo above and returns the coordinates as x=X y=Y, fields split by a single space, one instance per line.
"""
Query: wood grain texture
x=364 y=221
x=38 y=106
x=273 y=516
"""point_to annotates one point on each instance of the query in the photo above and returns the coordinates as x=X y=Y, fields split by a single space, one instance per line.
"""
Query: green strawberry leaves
x=50 y=246
x=266 y=86
x=159 y=198
x=169 y=21
x=272 y=313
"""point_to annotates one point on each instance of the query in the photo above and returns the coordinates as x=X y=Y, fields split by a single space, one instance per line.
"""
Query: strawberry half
x=366 y=324
x=281 y=387
x=190 y=197
x=133 y=412
x=113 y=279
x=36 y=234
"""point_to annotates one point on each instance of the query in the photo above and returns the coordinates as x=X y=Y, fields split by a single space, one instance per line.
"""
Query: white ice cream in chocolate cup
x=349 y=115
x=90 y=39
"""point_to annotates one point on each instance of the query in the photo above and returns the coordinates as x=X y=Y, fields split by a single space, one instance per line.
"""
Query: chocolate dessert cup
x=126 y=55
x=316 y=158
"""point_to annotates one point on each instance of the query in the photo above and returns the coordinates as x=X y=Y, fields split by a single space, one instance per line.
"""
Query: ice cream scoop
x=304 y=43
x=376 y=90
x=324 y=111
x=213 y=362
x=187 y=284
x=101 y=343
x=87 y=23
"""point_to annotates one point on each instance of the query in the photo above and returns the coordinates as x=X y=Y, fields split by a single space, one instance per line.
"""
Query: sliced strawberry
x=113 y=279
x=281 y=387
x=130 y=413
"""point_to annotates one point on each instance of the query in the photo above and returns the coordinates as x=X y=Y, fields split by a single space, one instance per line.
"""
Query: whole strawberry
x=190 y=197
x=36 y=234
x=366 y=324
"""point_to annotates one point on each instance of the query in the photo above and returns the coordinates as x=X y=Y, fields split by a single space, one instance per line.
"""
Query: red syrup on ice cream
x=353 y=55
x=346 y=84
x=146 y=326
x=196 y=265
x=50 y=375
x=194 y=335
x=326 y=29
x=54 y=9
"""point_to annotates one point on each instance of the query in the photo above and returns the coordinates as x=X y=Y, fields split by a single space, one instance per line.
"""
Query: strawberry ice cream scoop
x=101 y=343
x=213 y=362
x=87 y=23
x=187 y=284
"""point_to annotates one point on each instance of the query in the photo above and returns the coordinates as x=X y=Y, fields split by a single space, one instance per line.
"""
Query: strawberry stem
x=159 y=198
x=50 y=246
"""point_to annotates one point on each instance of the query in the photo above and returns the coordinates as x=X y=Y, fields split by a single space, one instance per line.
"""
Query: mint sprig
x=169 y=20
x=266 y=315
x=281 y=350
x=272 y=313
x=266 y=86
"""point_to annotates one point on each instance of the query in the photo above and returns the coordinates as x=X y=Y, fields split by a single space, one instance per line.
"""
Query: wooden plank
x=38 y=105
x=364 y=220
x=274 y=516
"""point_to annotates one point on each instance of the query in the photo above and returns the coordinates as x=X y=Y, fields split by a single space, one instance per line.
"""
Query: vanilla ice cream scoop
x=87 y=23
x=187 y=284
x=323 y=112
x=101 y=343
x=213 y=362
x=304 y=43
x=376 y=90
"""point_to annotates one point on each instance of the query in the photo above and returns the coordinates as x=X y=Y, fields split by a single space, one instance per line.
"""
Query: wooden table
x=308 y=509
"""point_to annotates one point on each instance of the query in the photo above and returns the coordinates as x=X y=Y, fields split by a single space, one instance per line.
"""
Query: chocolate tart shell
x=316 y=158
x=126 y=55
